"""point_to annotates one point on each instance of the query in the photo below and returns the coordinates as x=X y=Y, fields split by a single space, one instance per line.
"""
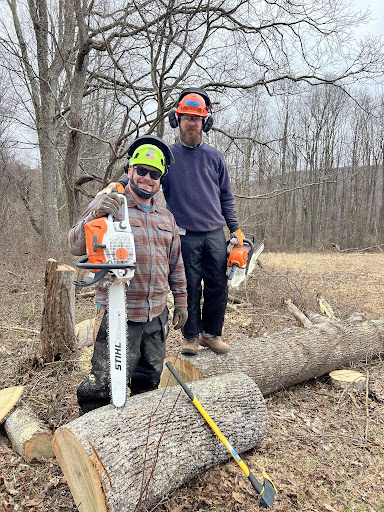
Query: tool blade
x=117 y=339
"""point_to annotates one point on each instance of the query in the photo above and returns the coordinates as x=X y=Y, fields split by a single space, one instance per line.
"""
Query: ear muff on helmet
x=195 y=102
x=173 y=119
x=150 y=150
x=207 y=125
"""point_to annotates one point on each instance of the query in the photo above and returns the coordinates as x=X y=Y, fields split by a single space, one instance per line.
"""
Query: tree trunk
x=49 y=170
x=57 y=336
x=29 y=436
x=75 y=113
x=290 y=356
x=120 y=459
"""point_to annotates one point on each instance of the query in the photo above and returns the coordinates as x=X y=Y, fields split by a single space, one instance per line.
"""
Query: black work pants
x=205 y=260
x=146 y=345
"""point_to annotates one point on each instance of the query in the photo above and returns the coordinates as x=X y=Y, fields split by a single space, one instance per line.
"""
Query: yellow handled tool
x=266 y=490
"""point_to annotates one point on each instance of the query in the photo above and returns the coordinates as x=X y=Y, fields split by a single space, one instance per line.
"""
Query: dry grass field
x=324 y=450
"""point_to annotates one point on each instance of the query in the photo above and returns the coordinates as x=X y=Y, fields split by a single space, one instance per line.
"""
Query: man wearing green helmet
x=158 y=264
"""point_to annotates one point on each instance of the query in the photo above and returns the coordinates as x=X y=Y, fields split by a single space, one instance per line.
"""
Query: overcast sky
x=376 y=26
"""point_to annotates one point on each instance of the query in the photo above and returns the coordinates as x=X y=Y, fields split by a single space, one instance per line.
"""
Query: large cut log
x=120 y=459
x=288 y=357
x=57 y=336
x=30 y=437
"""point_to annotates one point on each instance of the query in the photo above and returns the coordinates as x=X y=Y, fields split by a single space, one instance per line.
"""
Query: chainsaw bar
x=117 y=341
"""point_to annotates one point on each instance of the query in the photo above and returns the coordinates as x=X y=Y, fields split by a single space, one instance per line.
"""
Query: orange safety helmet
x=192 y=102
x=192 y=105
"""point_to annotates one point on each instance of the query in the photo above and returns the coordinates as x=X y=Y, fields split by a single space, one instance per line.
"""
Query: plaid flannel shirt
x=159 y=261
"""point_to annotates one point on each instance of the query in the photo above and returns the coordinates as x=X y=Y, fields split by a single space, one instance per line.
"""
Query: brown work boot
x=215 y=343
x=191 y=346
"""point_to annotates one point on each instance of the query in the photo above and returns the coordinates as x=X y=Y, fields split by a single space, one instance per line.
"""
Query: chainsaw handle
x=125 y=215
x=82 y=263
x=250 y=243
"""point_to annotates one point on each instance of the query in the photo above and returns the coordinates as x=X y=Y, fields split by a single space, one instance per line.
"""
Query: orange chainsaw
x=111 y=256
x=241 y=261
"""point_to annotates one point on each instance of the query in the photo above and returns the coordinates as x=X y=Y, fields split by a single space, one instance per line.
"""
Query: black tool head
x=268 y=495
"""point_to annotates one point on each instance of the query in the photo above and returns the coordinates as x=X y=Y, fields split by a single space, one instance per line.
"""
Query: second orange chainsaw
x=241 y=262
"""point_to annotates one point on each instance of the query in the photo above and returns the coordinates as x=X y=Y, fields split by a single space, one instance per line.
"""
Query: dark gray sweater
x=198 y=190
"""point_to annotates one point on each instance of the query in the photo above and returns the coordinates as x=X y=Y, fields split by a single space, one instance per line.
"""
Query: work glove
x=109 y=204
x=237 y=237
x=180 y=316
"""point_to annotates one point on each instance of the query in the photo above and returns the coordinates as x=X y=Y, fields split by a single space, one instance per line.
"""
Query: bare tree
x=76 y=58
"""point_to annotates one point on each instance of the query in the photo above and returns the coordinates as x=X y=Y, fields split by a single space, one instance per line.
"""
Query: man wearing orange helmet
x=198 y=193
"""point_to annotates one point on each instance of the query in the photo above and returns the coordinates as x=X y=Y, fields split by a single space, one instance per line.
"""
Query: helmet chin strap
x=144 y=194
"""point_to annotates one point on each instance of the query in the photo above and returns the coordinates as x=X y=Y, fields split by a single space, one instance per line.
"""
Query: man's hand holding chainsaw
x=237 y=237
x=109 y=204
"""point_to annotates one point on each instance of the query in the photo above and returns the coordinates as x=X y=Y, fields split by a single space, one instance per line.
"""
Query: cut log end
x=39 y=447
x=348 y=378
x=8 y=400
x=187 y=371
x=82 y=477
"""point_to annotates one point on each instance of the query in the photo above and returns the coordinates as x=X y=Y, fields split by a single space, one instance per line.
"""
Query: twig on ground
x=16 y=328
x=366 y=407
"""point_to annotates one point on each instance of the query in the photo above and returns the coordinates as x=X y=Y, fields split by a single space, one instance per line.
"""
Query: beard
x=191 y=137
x=144 y=194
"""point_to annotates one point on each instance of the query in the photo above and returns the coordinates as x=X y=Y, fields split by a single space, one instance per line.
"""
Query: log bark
x=8 y=400
x=57 y=335
x=132 y=458
x=29 y=436
x=289 y=357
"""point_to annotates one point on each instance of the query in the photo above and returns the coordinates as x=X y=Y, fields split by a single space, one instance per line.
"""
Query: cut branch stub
x=348 y=378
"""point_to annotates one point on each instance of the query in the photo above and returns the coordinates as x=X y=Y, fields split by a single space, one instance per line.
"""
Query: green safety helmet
x=150 y=150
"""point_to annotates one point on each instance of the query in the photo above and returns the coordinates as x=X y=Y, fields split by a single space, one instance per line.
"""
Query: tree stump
x=289 y=357
x=57 y=335
x=29 y=436
x=120 y=459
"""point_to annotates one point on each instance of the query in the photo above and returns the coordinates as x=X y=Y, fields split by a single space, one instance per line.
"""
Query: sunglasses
x=142 y=171
x=192 y=119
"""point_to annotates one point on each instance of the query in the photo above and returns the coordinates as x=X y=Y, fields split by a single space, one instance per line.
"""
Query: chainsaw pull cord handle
x=268 y=487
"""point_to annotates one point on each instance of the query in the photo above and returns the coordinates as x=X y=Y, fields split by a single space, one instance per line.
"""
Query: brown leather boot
x=191 y=346
x=215 y=343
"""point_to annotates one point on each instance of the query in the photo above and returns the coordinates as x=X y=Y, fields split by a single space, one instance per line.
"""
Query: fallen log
x=132 y=458
x=85 y=333
x=288 y=357
x=29 y=436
